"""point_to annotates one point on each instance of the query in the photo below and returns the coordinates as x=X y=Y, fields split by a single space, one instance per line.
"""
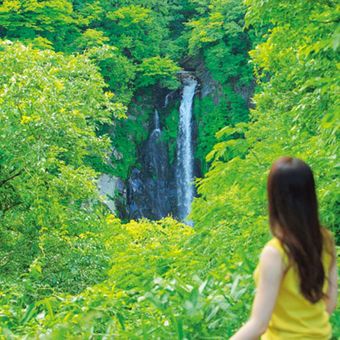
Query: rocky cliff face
x=150 y=190
x=210 y=87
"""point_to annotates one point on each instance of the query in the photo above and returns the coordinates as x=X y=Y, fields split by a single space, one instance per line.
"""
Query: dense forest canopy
x=78 y=87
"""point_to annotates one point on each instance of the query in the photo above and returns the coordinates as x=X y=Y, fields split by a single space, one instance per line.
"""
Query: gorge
x=158 y=188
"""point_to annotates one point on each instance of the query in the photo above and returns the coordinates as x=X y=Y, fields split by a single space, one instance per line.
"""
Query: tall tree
x=51 y=107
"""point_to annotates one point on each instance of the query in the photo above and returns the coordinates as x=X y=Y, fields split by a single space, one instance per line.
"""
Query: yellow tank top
x=294 y=317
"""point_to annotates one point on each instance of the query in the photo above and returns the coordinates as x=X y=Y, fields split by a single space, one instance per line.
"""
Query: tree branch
x=4 y=181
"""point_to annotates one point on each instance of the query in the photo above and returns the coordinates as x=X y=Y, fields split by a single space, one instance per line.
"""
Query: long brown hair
x=294 y=220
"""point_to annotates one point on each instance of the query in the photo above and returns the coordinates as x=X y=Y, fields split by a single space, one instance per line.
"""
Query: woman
x=296 y=278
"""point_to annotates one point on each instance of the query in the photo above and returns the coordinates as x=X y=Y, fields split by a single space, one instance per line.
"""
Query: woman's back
x=297 y=276
x=295 y=317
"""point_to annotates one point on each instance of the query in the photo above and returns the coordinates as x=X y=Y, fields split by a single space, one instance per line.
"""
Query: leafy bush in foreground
x=155 y=288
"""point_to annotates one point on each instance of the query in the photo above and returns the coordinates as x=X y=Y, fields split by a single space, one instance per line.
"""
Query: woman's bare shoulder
x=271 y=262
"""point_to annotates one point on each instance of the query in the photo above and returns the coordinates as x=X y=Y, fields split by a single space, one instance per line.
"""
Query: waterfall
x=154 y=149
x=167 y=99
x=184 y=171
x=157 y=127
x=160 y=187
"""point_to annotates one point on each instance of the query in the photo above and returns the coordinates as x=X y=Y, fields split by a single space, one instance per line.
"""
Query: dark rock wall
x=150 y=191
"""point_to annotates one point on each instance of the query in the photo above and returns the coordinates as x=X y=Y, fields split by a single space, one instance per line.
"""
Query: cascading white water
x=167 y=99
x=184 y=175
x=156 y=121
x=156 y=132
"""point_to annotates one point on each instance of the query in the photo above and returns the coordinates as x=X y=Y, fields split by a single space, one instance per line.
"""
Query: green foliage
x=30 y=19
x=117 y=70
x=160 y=71
x=212 y=115
x=294 y=115
x=126 y=145
x=91 y=38
x=51 y=107
x=153 y=289
x=136 y=31
x=129 y=41
x=223 y=19
x=170 y=132
x=218 y=35
x=67 y=272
